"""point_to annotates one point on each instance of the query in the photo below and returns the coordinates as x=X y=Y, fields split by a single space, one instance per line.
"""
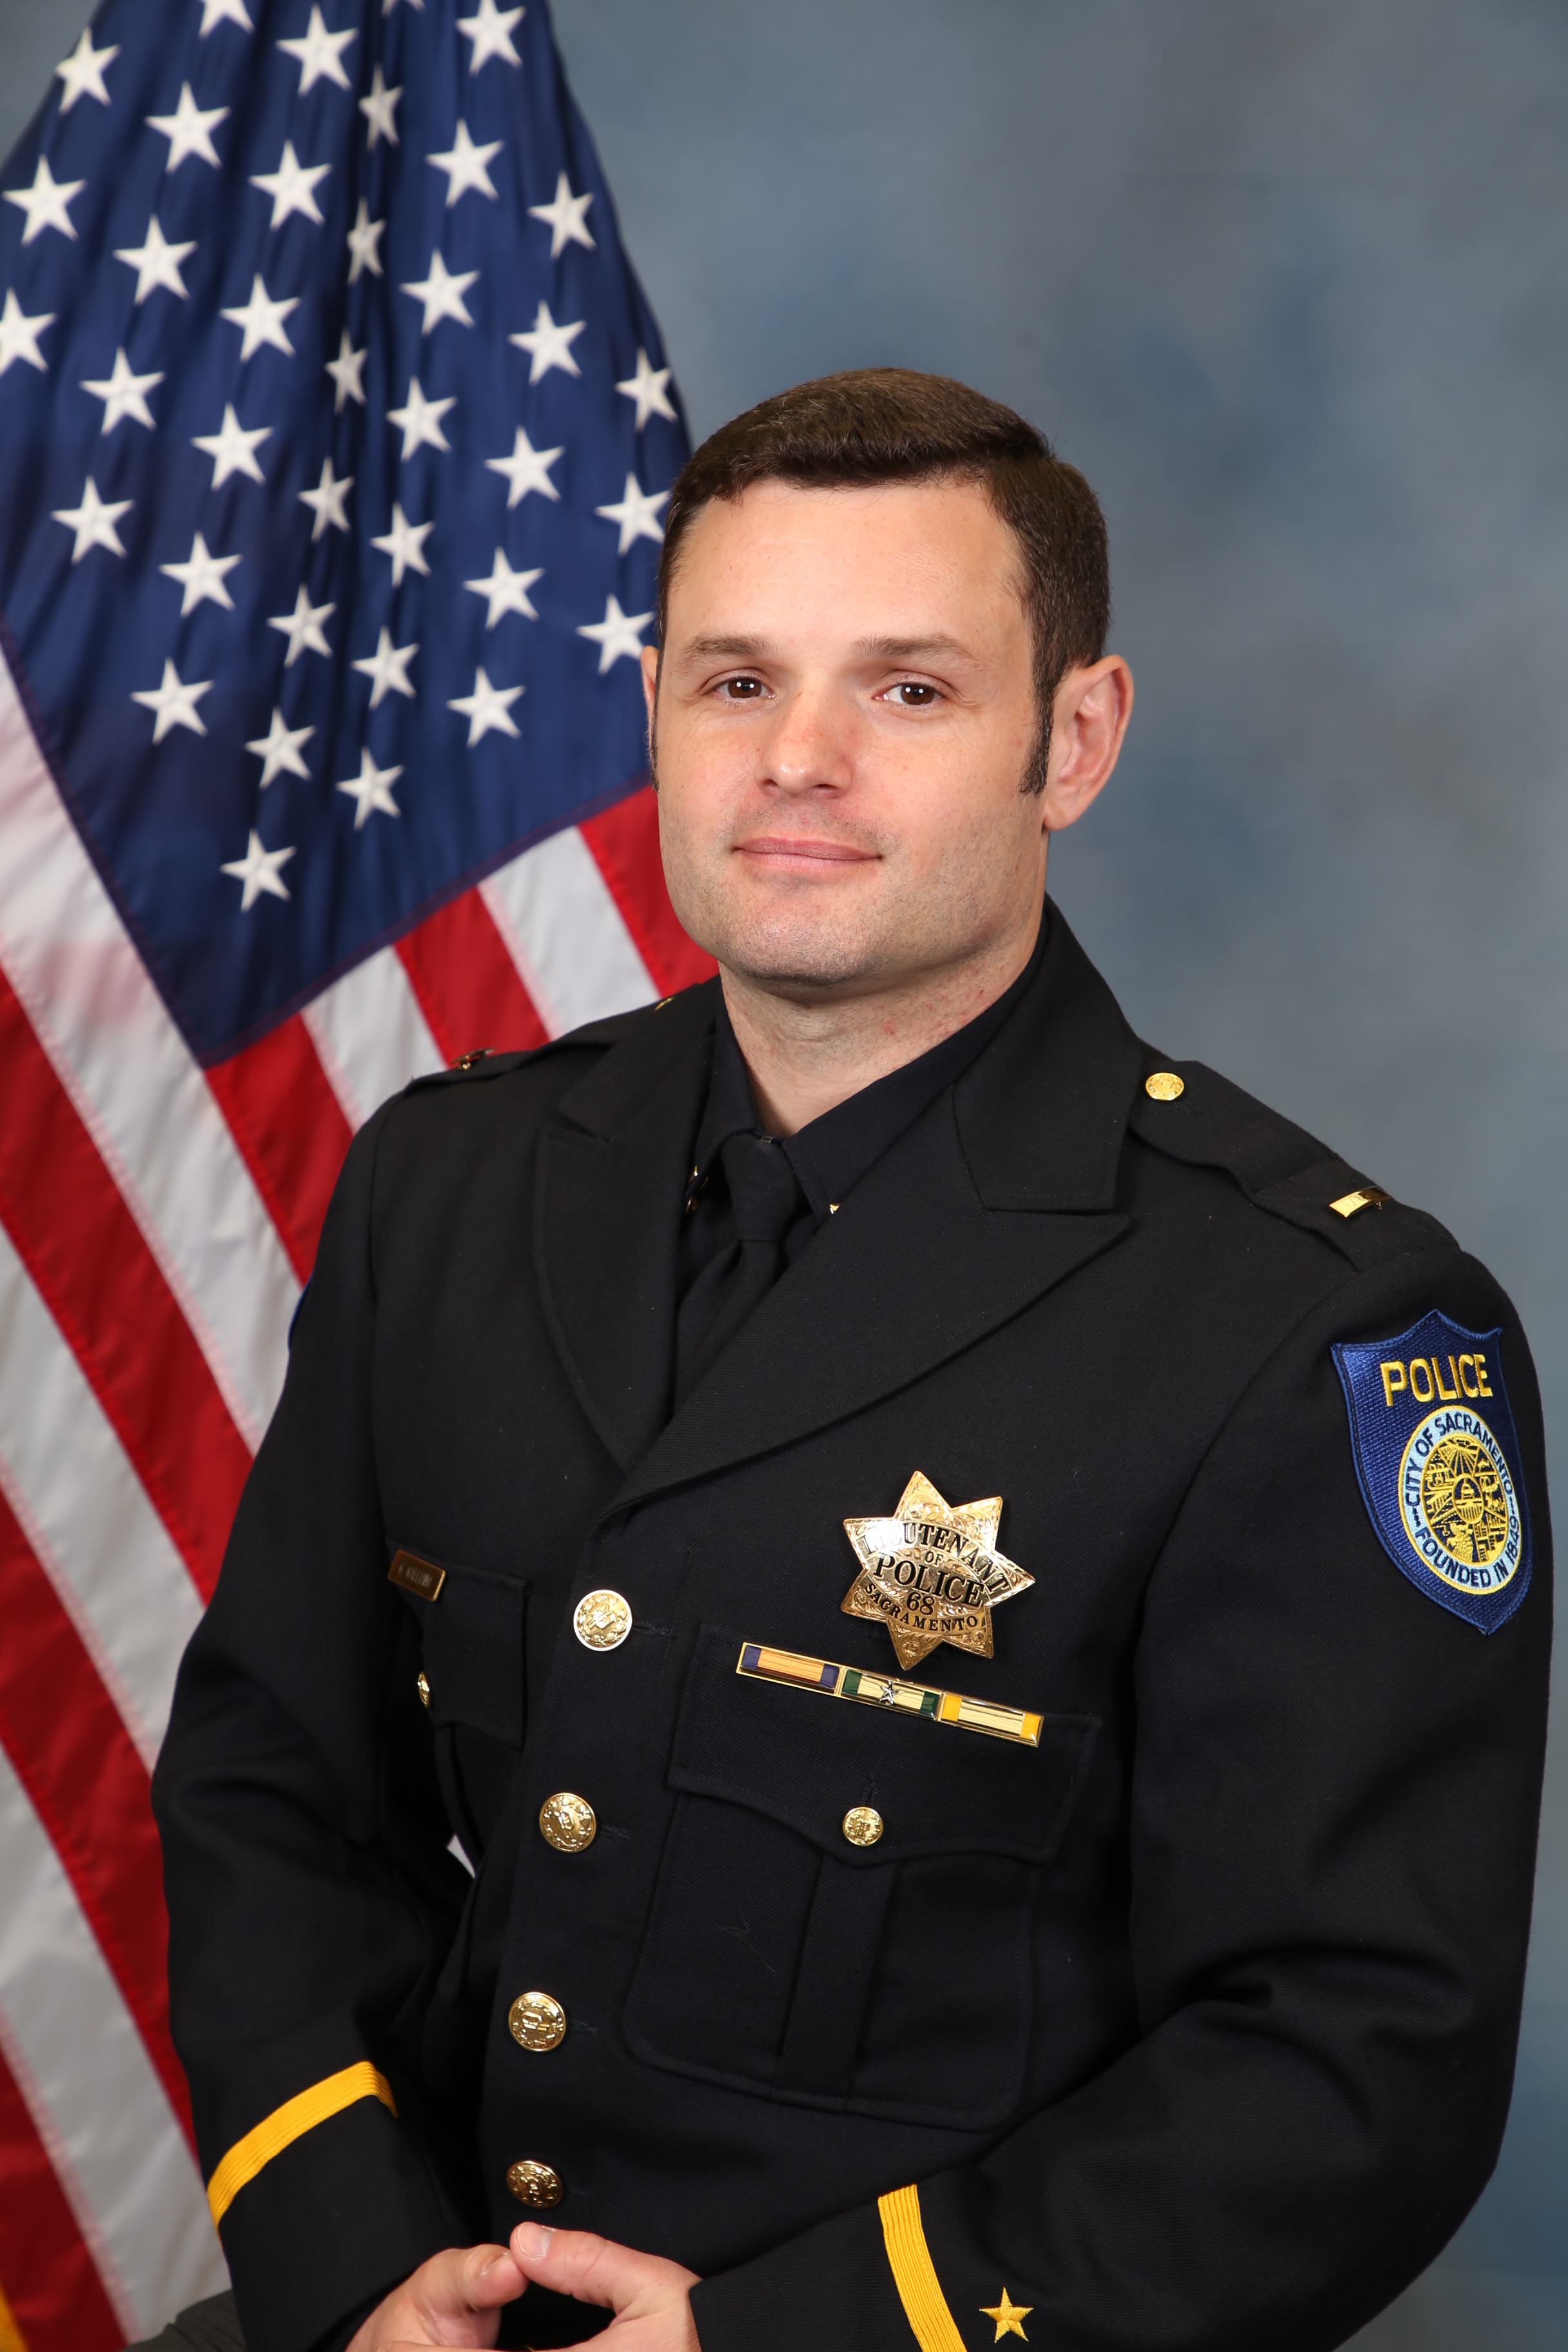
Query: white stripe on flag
x=136 y=1086
x=566 y=935
x=96 y=2103
x=370 y=1035
x=87 y=1515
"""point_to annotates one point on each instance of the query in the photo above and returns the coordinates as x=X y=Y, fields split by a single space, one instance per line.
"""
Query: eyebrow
x=896 y=649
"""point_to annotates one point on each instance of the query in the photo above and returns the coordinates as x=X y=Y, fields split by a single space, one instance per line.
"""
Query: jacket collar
x=999 y=1190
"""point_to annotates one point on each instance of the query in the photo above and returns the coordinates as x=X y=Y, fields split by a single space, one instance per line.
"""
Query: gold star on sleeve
x=1009 y=2316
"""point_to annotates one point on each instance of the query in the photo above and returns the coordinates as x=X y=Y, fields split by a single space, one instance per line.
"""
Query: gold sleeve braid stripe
x=291 y=2122
x=914 y=2273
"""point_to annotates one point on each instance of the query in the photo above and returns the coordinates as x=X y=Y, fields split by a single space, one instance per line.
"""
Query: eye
x=912 y=694
x=741 y=689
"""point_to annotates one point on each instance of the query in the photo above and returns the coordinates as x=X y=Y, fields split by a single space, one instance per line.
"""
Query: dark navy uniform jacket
x=1192 y=2026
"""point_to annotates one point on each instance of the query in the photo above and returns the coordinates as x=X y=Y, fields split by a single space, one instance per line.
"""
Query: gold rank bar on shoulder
x=763 y=1664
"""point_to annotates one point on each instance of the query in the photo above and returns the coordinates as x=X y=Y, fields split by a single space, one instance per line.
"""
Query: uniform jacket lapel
x=613 y=1167
x=1005 y=1187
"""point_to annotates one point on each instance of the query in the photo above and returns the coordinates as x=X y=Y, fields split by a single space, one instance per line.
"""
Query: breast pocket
x=890 y=1979
x=473 y=1668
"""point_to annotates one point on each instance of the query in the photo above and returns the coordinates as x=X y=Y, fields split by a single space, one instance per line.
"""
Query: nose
x=808 y=748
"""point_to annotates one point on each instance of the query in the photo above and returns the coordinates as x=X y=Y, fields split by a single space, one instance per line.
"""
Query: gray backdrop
x=1290 y=284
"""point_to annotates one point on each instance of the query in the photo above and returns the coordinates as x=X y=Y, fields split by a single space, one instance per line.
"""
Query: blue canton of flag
x=335 y=432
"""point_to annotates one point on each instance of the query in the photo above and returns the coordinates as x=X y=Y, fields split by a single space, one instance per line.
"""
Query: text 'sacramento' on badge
x=932 y=1572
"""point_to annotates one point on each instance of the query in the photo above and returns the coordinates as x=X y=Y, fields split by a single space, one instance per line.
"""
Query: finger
x=464 y=2279
x=597 y=2270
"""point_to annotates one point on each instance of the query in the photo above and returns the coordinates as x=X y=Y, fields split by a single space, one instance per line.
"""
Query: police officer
x=884 y=1674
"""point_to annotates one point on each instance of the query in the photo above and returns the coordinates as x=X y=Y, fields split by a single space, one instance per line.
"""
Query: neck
x=805 y=1057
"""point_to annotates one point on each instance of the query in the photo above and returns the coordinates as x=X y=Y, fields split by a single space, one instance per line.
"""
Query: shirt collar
x=832 y=1154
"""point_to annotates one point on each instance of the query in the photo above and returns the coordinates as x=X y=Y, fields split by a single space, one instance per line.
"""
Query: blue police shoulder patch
x=1438 y=1458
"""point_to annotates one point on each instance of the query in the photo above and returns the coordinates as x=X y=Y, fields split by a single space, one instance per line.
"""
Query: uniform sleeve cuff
x=329 y=2224
x=833 y=2285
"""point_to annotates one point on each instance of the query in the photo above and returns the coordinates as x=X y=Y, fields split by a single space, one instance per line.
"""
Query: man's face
x=844 y=712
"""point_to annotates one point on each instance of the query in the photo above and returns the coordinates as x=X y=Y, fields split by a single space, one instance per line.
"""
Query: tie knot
x=764 y=1188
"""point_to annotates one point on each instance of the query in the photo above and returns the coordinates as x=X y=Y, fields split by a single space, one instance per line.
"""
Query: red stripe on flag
x=625 y=844
x=46 y=2269
x=467 y=984
x=90 y=1788
x=91 y=1264
x=289 y=1127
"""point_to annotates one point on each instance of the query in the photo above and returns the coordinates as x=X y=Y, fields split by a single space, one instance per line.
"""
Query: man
x=977 y=1601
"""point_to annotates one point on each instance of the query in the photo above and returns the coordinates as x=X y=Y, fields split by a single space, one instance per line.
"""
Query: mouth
x=805 y=854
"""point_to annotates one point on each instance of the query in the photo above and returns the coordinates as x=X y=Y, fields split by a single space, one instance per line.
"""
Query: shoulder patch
x=1438 y=1458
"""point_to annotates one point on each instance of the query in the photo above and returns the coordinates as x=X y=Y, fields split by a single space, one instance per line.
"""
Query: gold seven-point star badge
x=1009 y=2316
x=932 y=1572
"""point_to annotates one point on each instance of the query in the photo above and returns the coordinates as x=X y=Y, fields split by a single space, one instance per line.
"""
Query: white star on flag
x=302 y=627
x=648 y=389
x=505 y=590
x=156 y=263
x=233 y=448
x=123 y=394
x=82 y=72
x=19 y=335
x=618 y=633
x=387 y=668
x=421 y=420
x=379 y=109
x=491 y=33
x=442 y=294
x=319 y=53
x=201 y=577
x=526 y=470
x=93 y=521
x=188 y=131
x=262 y=319
x=548 y=345
x=221 y=12
x=174 y=702
x=638 y=513
x=292 y=187
x=278 y=749
x=405 y=543
x=464 y=164
x=260 y=869
x=372 y=789
x=364 y=239
x=346 y=371
x=567 y=216
x=326 y=502
x=488 y=707
x=44 y=202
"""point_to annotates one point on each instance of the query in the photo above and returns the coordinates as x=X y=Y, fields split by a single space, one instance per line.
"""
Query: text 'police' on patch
x=1437 y=1456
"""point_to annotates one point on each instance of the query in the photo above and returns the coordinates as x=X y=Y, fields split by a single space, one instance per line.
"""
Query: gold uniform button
x=1164 y=1086
x=862 y=1825
x=602 y=1620
x=535 y=2184
x=569 y=1823
x=537 y=2021
x=422 y=1684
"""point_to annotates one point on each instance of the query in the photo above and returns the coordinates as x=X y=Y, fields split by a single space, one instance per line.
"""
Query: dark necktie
x=766 y=1198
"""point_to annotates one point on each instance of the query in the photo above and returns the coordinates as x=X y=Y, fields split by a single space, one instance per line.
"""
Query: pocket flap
x=804 y=1758
x=472 y=1650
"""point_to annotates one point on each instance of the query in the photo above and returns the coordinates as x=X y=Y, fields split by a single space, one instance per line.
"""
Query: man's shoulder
x=1188 y=1114
x=488 y=1083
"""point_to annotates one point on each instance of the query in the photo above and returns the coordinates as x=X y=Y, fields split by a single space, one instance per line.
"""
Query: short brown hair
x=896 y=425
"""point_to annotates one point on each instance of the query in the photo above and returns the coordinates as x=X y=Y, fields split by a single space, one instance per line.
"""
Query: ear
x=1088 y=719
x=649 y=680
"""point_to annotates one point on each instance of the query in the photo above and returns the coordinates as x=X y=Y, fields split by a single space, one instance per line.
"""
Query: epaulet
x=485 y=1061
x=1189 y=1112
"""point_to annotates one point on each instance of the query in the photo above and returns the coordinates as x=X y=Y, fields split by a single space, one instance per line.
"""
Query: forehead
x=893 y=554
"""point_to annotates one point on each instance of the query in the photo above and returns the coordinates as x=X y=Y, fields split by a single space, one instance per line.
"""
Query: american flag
x=335 y=432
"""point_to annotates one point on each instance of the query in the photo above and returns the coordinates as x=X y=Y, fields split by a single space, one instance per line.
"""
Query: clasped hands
x=456 y=2298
